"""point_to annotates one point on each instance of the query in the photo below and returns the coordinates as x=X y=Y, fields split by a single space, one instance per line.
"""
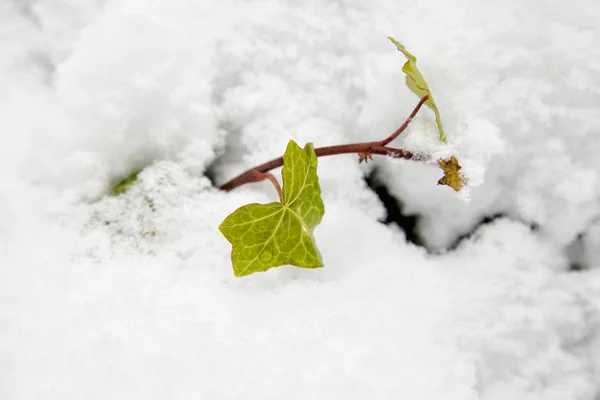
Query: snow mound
x=491 y=88
x=128 y=99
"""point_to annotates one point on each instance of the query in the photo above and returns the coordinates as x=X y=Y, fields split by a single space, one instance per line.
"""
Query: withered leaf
x=451 y=177
x=364 y=157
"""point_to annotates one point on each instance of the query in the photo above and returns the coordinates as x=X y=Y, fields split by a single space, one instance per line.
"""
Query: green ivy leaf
x=416 y=83
x=264 y=236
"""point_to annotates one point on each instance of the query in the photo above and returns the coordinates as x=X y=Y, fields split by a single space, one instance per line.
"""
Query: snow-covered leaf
x=416 y=83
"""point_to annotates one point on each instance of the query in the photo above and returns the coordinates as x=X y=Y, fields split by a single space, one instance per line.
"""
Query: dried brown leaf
x=452 y=177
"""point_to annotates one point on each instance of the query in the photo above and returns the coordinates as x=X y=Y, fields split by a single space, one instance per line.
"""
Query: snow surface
x=133 y=296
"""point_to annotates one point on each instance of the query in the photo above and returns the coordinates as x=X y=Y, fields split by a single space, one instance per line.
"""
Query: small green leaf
x=125 y=184
x=416 y=83
x=264 y=236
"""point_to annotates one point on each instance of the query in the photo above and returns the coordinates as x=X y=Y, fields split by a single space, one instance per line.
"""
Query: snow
x=133 y=296
x=547 y=171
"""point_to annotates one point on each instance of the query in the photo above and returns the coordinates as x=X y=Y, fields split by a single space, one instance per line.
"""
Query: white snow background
x=94 y=306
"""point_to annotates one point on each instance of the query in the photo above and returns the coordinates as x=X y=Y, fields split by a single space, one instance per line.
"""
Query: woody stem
x=257 y=173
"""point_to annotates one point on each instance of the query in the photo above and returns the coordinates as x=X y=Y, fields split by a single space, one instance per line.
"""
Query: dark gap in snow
x=487 y=219
x=227 y=153
x=223 y=154
x=393 y=207
x=211 y=173
x=575 y=252
x=576 y=267
x=580 y=252
x=224 y=159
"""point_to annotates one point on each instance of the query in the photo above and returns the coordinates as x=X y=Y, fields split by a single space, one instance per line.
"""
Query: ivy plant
x=264 y=236
x=268 y=235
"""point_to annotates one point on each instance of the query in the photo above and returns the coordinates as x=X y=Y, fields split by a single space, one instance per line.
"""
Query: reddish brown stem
x=261 y=176
x=365 y=148
x=257 y=173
